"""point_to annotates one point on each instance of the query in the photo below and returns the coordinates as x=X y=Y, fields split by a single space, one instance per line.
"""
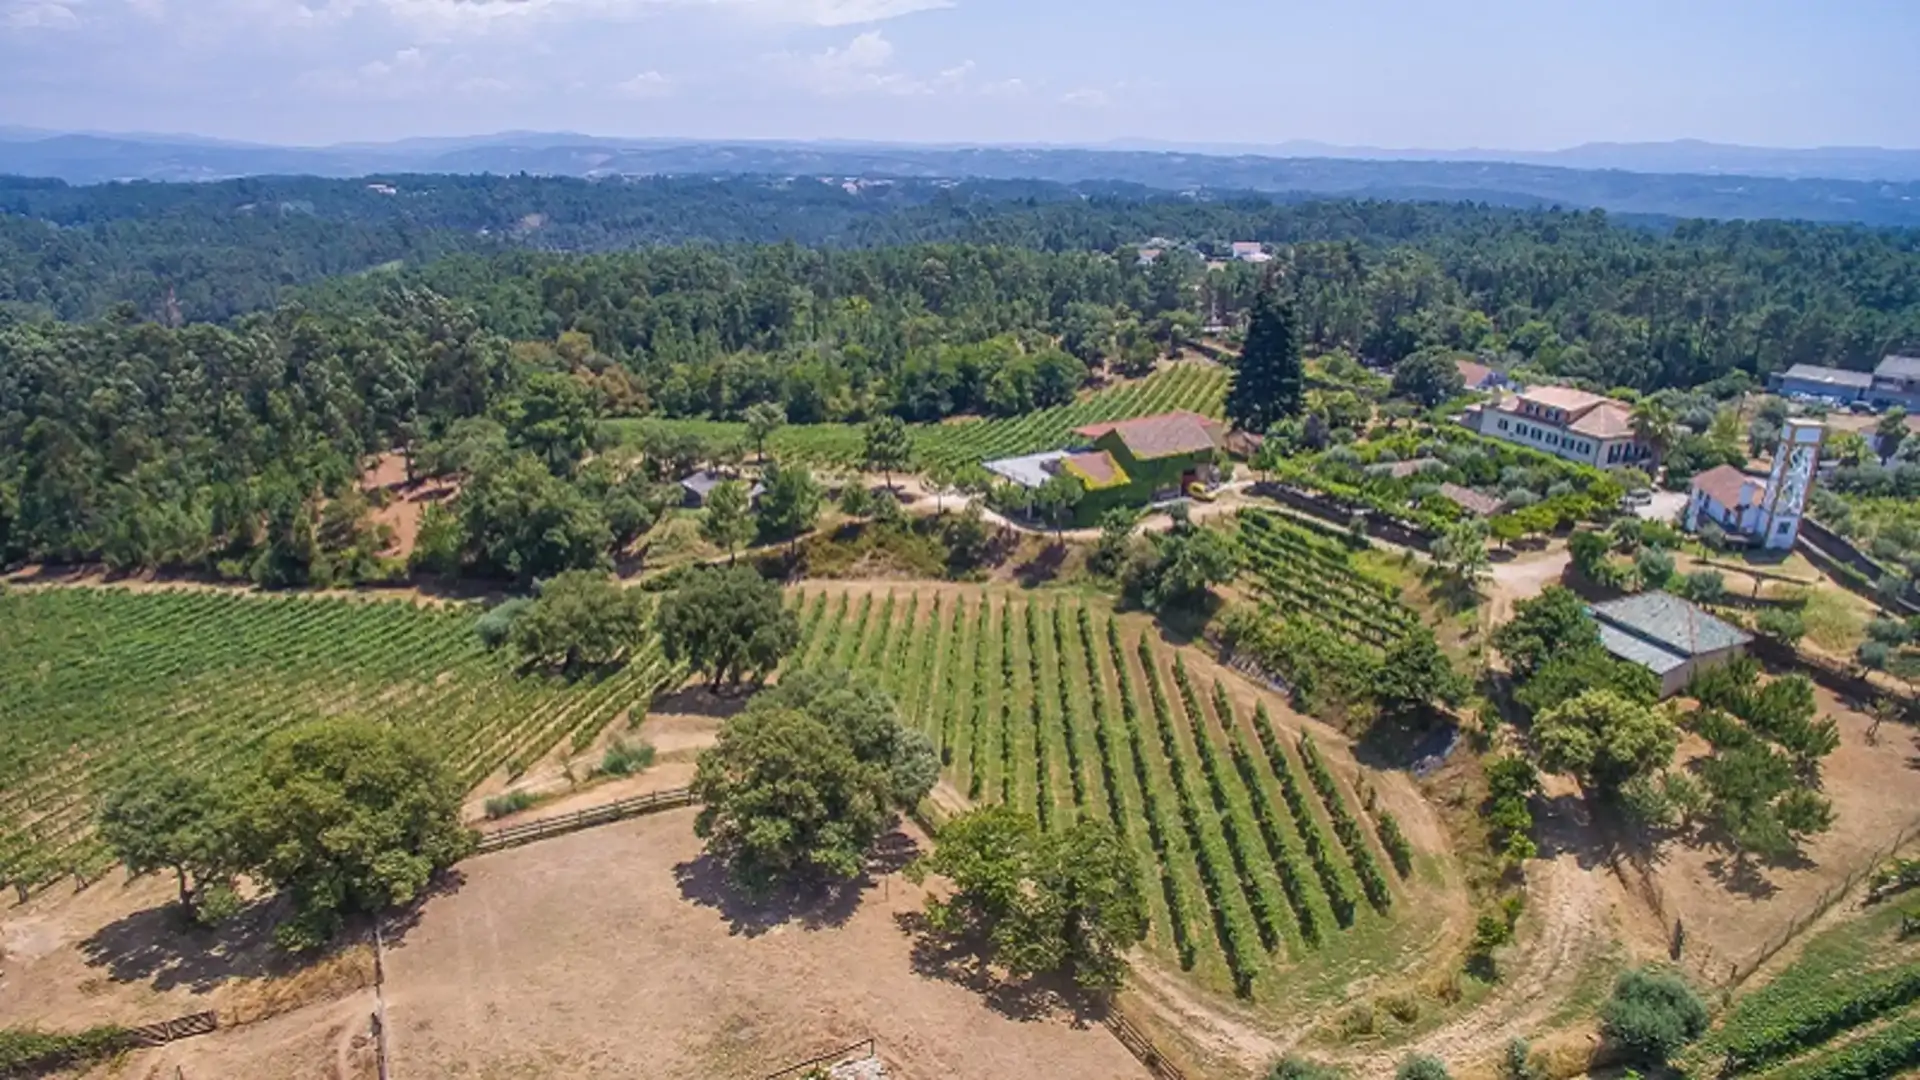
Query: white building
x=1764 y=511
x=1251 y=251
x=1567 y=423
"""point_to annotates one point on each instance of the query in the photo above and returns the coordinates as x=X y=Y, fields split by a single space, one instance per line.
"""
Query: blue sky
x=1537 y=74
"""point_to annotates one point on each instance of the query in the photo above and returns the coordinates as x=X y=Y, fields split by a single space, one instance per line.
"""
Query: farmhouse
x=1127 y=463
x=1250 y=251
x=1729 y=498
x=1567 y=423
x=1668 y=636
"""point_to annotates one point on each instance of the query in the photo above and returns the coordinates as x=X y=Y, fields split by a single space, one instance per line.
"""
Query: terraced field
x=95 y=682
x=1193 y=387
x=1255 y=856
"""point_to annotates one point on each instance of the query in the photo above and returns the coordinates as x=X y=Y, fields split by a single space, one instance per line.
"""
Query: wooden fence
x=515 y=835
x=180 y=1027
x=865 y=1048
x=1141 y=1047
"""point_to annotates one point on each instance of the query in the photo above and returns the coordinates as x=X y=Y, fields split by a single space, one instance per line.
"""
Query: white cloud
x=861 y=66
x=39 y=15
x=1086 y=97
x=644 y=86
x=1004 y=88
x=864 y=53
x=865 y=65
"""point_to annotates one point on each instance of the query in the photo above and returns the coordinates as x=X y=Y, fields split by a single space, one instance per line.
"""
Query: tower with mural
x=1761 y=511
x=1794 y=464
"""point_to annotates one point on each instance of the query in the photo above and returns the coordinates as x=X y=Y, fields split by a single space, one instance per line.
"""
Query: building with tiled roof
x=1668 y=636
x=1762 y=510
x=1162 y=435
x=1475 y=376
x=1473 y=502
x=1591 y=429
x=1095 y=469
x=1132 y=462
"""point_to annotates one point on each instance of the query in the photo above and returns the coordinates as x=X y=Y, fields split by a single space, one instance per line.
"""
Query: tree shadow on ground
x=705 y=881
x=1569 y=825
x=1741 y=875
x=701 y=700
x=1419 y=744
x=396 y=925
x=1043 y=568
x=961 y=960
x=164 y=947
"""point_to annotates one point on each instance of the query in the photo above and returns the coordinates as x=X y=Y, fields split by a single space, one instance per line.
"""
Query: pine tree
x=1267 y=385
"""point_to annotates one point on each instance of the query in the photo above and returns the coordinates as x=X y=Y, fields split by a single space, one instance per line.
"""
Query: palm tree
x=1654 y=423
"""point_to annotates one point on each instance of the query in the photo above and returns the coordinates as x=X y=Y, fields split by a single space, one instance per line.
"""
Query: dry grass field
x=619 y=952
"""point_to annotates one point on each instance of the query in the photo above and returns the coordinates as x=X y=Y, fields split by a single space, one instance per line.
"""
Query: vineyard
x=1848 y=1008
x=1192 y=387
x=95 y=683
x=1254 y=856
x=1309 y=576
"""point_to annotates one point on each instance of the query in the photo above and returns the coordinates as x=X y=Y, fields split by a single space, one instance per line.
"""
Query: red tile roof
x=1474 y=375
x=1162 y=435
x=1096 y=468
x=1610 y=420
x=1472 y=501
x=1723 y=484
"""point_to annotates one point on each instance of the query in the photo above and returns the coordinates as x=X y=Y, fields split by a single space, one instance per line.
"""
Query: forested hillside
x=148 y=437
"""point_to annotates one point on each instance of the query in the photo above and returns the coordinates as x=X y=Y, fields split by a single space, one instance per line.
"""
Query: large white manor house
x=1559 y=420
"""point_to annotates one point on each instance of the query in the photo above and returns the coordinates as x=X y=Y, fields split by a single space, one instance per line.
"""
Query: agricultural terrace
x=1266 y=869
x=1199 y=388
x=1848 y=1006
x=1307 y=575
x=95 y=682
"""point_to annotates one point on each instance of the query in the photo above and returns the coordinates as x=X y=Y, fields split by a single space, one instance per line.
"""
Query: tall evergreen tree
x=1268 y=384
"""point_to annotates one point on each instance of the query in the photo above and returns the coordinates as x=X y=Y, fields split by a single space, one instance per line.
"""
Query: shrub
x=1704 y=587
x=1783 y=625
x=511 y=803
x=496 y=625
x=1652 y=1014
x=1516 y=1062
x=26 y=1052
x=625 y=759
x=1299 y=1068
x=1422 y=1067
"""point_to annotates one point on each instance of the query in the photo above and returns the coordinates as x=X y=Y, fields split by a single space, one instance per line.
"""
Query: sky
x=1444 y=74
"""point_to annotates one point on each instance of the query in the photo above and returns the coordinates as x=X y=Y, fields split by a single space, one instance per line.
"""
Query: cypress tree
x=1268 y=383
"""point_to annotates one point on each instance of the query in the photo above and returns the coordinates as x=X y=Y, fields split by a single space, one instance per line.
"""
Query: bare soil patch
x=322 y=1043
x=616 y=952
x=1731 y=911
x=406 y=502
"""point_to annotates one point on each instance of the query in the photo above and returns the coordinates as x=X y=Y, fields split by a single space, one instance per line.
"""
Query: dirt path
x=1523 y=578
x=1204 y=1024
x=1570 y=902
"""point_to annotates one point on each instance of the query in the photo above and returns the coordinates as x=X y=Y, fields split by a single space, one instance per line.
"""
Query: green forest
x=180 y=364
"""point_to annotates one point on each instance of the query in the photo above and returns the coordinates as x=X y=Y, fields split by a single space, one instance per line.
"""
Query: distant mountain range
x=1674 y=179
